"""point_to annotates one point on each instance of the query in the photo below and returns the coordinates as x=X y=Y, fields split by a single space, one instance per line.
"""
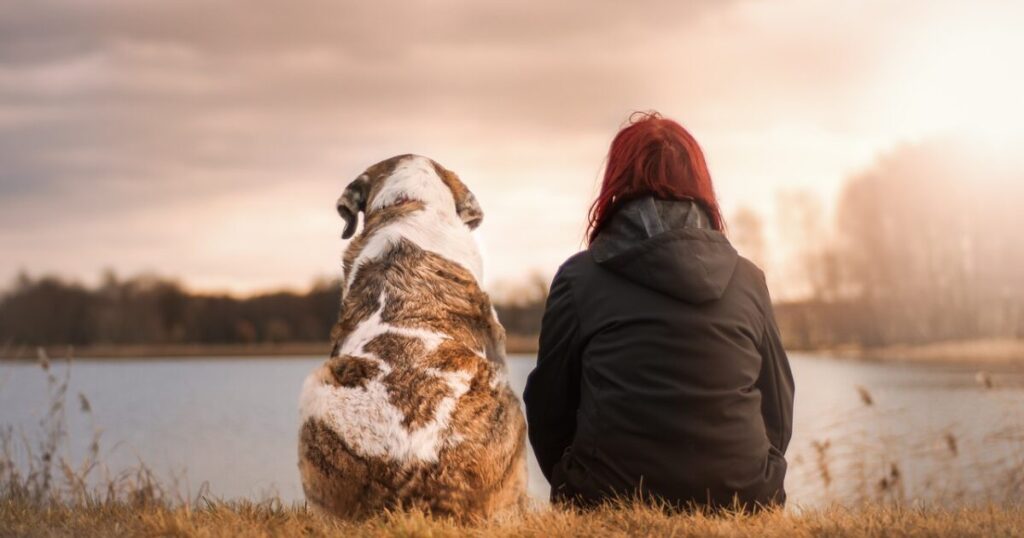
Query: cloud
x=122 y=120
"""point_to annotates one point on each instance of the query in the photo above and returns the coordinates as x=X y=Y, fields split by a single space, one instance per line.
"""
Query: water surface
x=232 y=423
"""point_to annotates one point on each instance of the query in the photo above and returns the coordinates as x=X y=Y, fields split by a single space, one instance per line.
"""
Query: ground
x=19 y=518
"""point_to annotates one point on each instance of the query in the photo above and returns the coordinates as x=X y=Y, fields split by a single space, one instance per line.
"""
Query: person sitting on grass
x=660 y=371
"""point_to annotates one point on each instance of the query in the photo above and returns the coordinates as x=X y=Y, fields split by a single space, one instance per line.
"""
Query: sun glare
x=960 y=75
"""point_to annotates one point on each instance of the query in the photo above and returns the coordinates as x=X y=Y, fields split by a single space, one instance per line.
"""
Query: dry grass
x=271 y=519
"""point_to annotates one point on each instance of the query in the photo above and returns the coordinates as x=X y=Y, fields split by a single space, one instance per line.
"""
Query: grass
x=42 y=493
x=241 y=518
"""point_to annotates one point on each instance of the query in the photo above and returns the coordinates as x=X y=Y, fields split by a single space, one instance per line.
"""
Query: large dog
x=413 y=409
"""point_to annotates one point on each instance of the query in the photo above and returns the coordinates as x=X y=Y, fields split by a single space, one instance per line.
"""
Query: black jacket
x=660 y=368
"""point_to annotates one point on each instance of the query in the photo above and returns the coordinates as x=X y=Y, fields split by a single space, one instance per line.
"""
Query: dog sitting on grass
x=413 y=409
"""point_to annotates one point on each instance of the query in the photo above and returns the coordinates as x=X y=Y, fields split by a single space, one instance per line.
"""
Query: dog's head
x=403 y=179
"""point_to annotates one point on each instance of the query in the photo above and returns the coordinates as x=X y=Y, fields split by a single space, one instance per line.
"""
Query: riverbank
x=979 y=353
x=515 y=344
x=184 y=351
x=244 y=518
x=993 y=352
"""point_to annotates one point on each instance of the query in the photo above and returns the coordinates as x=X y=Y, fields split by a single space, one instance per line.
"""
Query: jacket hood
x=668 y=246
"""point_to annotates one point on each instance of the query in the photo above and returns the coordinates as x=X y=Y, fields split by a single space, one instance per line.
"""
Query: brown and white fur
x=413 y=409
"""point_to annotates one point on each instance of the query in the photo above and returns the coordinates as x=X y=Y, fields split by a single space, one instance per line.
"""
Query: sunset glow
x=213 y=149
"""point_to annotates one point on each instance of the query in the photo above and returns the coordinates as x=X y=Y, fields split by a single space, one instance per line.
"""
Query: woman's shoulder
x=571 y=273
x=575 y=266
x=749 y=270
x=750 y=277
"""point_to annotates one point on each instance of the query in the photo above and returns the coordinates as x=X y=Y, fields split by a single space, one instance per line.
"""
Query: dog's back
x=413 y=408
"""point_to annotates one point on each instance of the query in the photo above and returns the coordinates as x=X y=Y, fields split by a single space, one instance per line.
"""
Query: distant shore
x=515 y=344
x=993 y=352
x=156 y=351
x=969 y=352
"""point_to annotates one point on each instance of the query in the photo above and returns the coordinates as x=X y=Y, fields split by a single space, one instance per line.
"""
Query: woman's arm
x=552 y=392
x=776 y=385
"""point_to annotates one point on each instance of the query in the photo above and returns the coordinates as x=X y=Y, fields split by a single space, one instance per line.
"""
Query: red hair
x=657 y=156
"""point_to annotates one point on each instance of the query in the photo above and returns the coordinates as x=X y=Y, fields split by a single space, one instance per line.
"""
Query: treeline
x=154 y=310
x=926 y=245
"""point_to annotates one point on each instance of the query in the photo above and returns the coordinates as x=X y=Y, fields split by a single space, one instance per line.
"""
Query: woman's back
x=684 y=391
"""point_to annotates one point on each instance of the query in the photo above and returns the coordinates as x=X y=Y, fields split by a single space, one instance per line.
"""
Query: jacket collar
x=668 y=246
x=644 y=218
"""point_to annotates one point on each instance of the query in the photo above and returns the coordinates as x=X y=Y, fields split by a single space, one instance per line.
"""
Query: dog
x=413 y=409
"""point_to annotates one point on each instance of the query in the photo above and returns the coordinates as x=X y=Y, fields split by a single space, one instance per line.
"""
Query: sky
x=209 y=140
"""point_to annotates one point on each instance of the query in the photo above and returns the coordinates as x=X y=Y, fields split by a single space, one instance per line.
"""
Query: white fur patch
x=499 y=377
x=374 y=326
x=365 y=417
x=437 y=228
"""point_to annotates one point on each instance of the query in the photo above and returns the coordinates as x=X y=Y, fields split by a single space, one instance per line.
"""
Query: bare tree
x=746 y=231
x=804 y=228
x=929 y=242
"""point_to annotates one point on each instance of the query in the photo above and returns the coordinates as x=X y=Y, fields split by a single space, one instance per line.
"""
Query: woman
x=660 y=369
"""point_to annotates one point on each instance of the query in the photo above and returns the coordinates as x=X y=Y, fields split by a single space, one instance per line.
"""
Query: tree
x=746 y=230
x=929 y=241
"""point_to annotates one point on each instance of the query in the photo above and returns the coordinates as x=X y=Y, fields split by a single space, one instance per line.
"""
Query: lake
x=862 y=430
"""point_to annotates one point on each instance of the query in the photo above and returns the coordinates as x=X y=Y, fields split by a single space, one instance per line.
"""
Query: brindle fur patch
x=351 y=371
x=414 y=391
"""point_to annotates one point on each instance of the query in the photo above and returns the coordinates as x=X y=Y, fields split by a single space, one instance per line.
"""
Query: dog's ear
x=465 y=203
x=469 y=211
x=352 y=202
